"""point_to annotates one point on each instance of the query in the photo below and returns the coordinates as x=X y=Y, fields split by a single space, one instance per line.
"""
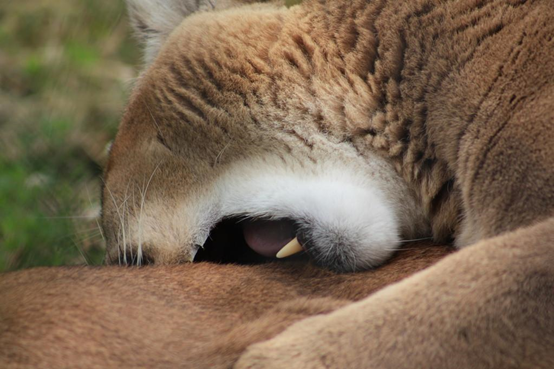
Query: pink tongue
x=267 y=237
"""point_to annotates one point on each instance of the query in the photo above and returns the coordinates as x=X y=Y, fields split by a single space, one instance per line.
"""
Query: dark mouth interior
x=226 y=244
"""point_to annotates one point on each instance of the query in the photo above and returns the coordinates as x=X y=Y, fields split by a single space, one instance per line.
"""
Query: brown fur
x=188 y=316
x=429 y=85
x=456 y=95
x=487 y=306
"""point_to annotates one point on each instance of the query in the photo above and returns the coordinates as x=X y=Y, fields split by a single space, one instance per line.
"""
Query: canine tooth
x=291 y=248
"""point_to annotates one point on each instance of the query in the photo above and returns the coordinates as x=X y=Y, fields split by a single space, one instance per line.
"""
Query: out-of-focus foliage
x=290 y=3
x=66 y=68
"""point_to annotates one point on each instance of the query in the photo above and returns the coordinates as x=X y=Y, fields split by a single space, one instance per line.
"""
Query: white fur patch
x=335 y=198
x=356 y=212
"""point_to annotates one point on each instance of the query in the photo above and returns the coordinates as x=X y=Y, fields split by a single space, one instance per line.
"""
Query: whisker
x=81 y=252
x=416 y=239
x=124 y=206
x=158 y=129
x=97 y=217
x=77 y=233
x=143 y=198
x=83 y=231
x=218 y=157
x=89 y=237
x=120 y=220
x=404 y=249
x=118 y=247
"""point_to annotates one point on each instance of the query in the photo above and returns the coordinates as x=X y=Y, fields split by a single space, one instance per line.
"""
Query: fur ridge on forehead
x=154 y=20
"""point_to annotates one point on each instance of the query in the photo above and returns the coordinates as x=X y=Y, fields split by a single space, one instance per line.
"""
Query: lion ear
x=154 y=20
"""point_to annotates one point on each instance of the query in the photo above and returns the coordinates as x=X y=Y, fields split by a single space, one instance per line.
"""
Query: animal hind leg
x=487 y=306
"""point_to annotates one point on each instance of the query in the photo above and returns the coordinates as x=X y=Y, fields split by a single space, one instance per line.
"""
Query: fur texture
x=338 y=82
x=487 y=306
x=154 y=20
x=208 y=122
x=453 y=100
x=187 y=316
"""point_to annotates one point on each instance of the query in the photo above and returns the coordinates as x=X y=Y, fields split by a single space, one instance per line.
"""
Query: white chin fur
x=340 y=203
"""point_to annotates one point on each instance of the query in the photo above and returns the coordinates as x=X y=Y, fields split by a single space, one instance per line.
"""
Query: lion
x=351 y=126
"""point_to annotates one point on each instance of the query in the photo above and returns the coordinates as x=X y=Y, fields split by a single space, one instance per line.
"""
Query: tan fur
x=187 y=316
x=457 y=96
x=488 y=306
x=416 y=82
x=241 y=81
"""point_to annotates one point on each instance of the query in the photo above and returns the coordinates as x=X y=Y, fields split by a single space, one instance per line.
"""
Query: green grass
x=65 y=71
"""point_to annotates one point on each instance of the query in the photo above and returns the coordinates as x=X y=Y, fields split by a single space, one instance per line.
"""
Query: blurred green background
x=66 y=67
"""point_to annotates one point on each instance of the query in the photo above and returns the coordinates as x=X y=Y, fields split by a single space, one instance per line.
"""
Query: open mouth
x=250 y=241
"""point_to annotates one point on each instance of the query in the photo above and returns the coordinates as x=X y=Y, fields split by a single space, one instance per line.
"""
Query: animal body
x=361 y=123
x=244 y=113
x=200 y=315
